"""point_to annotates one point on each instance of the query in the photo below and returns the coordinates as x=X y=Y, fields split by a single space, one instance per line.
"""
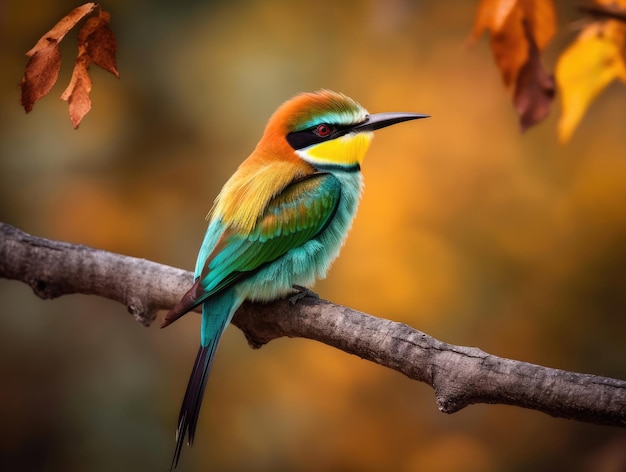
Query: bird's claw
x=300 y=293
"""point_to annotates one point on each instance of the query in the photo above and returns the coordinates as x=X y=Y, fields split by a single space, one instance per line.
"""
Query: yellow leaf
x=592 y=62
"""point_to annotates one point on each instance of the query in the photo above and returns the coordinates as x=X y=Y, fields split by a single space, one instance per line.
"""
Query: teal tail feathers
x=190 y=409
x=216 y=314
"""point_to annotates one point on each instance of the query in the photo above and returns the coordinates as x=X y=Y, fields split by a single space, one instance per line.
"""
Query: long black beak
x=308 y=137
x=382 y=120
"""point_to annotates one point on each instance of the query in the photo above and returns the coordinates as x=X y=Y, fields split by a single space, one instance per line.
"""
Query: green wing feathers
x=299 y=212
x=290 y=219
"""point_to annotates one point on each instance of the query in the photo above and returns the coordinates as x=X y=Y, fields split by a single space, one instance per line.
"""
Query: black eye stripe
x=308 y=137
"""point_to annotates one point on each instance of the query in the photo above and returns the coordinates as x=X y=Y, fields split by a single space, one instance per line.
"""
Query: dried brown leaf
x=99 y=42
x=534 y=88
x=40 y=75
x=518 y=31
x=58 y=31
x=77 y=92
x=96 y=44
x=42 y=69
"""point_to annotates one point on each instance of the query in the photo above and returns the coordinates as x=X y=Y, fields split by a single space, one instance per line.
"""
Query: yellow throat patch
x=346 y=150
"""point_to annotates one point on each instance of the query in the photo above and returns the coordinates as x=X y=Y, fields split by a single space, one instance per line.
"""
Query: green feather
x=293 y=217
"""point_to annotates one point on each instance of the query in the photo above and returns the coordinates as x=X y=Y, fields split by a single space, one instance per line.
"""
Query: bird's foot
x=300 y=293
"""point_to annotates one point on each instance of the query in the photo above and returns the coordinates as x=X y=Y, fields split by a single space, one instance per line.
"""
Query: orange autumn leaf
x=518 y=31
x=99 y=42
x=501 y=19
x=77 y=92
x=591 y=63
x=65 y=24
x=42 y=70
x=96 y=43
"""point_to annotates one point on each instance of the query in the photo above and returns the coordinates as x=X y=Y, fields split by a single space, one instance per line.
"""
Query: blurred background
x=468 y=231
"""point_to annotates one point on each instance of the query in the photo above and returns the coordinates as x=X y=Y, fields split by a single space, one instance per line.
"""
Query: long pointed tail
x=216 y=315
x=190 y=409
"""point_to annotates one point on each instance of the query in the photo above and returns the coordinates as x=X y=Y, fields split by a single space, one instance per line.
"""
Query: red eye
x=323 y=130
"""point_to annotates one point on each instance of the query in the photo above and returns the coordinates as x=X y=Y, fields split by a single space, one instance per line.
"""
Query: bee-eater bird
x=279 y=221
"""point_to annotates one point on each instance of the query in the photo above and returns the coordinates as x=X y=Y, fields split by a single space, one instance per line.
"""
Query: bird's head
x=328 y=129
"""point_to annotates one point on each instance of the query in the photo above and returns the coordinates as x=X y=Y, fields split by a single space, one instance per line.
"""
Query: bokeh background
x=468 y=230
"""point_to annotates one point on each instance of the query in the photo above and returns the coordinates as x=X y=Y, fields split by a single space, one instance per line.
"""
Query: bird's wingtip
x=190 y=300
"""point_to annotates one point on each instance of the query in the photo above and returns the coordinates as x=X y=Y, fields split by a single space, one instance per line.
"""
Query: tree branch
x=604 y=12
x=459 y=375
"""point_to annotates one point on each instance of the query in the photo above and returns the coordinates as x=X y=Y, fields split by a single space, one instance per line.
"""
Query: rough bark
x=459 y=375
